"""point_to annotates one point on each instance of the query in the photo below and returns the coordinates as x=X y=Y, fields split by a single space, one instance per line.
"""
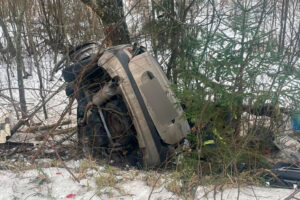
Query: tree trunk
x=111 y=13
x=283 y=21
x=19 y=60
x=36 y=63
x=7 y=60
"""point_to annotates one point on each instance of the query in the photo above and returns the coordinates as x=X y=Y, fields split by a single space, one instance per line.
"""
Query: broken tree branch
x=22 y=121
x=58 y=132
x=46 y=127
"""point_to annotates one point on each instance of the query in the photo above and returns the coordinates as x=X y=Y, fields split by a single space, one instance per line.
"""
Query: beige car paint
x=171 y=132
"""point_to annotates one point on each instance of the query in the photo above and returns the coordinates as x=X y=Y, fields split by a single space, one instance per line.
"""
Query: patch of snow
x=57 y=183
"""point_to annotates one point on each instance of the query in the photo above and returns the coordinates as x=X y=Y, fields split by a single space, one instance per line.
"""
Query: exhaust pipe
x=109 y=90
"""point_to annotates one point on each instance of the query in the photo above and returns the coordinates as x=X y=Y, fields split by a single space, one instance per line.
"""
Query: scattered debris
x=70 y=196
x=4 y=128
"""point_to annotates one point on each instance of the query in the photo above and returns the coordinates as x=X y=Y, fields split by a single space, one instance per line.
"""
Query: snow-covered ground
x=106 y=182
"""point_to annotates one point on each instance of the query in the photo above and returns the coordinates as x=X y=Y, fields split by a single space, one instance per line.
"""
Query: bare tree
x=36 y=61
x=17 y=16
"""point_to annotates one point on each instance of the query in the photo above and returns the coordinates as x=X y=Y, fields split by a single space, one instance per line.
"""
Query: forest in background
x=234 y=65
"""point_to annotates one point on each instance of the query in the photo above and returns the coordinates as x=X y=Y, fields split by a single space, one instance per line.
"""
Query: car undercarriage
x=126 y=107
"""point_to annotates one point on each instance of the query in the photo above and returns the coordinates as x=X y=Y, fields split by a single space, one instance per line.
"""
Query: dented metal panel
x=160 y=99
x=157 y=100
x=110 y=62
x=148 y=96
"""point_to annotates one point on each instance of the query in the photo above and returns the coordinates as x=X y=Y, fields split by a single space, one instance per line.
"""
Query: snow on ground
x=57 y=183
x=106 y=182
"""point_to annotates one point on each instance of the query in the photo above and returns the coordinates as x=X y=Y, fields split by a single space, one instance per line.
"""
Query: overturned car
x=125 y=104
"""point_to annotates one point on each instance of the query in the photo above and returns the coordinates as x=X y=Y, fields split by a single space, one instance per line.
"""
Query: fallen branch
x=258 y=172
x=9 y=144
x=65 y=131
x=292 y=195
x=58 y=132
x=51 y=131
x=22 y=121
x=65 y=138
x=46 y=127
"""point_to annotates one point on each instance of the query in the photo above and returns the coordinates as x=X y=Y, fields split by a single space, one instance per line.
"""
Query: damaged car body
x=125 y=104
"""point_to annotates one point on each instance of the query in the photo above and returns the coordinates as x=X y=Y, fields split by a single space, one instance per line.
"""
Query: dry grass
x=153 y=180
x=108 y=180
x=85 y=165
x=17 y=166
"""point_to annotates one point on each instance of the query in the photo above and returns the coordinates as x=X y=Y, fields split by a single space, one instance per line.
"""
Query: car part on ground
x=289 y=146
x=287 y=175
x=4 y=128
x=125 y=104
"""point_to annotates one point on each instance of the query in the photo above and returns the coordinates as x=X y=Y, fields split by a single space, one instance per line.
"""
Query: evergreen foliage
x=230 y=73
